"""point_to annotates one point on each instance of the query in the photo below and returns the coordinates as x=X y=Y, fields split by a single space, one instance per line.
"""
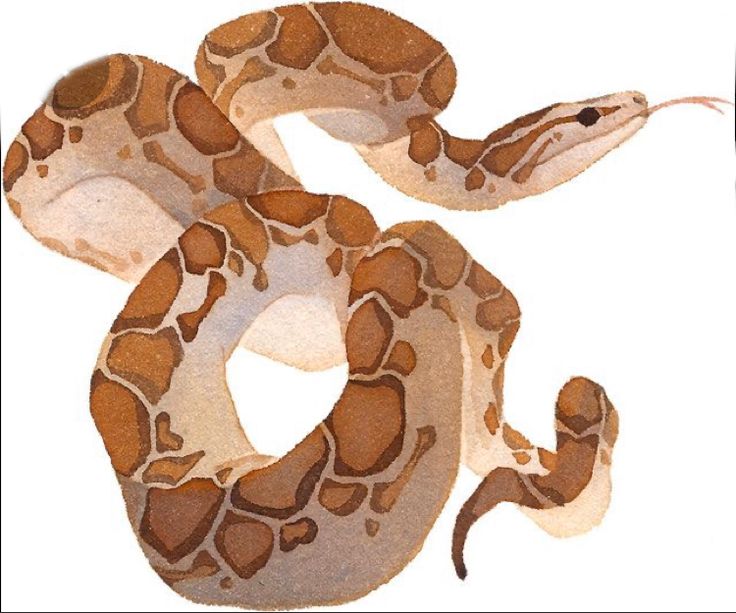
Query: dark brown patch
x=172 y=469
x=242 y=33
x=300 y=38
x=385 y=495
x=244 y=543
x=293 y=208
x=462 y=151
x=152 y=298
x=524 y=121
x=525 y=171
x=235 y=263
x=439 y=83
x=402 y=358
x=124 y=153
x=149 y=113
x=44 y=135
x=515 y=439
x=334 y=261
x=341 y=498
x=350 y=224
x=209 y=74
x=425 y=141
x=247 y=232
x=394 y=274
x=497 y=313
x=506 y=338
x=203 y=565
x=487 y=357
x=284 y=488
x=42 y=170
x=482 y=282
x=102 y=84
x=223 y=474
x=226 y=583
x=123 y=422
x=154 y=153
x=578 y=405
x=575 y=460
x=490 y=418
x=189 y=322
x=441 y=303
x=368 y=425
x=202 y=123
x=16 y=163
x=430 y=174
x=521 y=457
x=203 y=247
x=445 y=256
x=75 y=134
x=146 y=360
x=175 y=521
x=238 y=174
x=166 y=439
x=383 y=42
x=254 y=69
x=367 y=337
x=288 y=83
x=371 y=527
x=548 y=459
x=475 y=179
x=403 y=87
x=301 y=532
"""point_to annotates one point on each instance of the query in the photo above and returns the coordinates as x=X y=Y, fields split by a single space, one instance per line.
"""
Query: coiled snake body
x=427 y=329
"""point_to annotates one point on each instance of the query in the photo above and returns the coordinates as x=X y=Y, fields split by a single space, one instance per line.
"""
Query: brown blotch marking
x=252 y=71
x=403 y=87
x=223 y=474
x=490 y=418
x=504 y=157
x=247 y=233
x=445 y=256
x=383 y=42
x=42 y=170
x=548 y=459
x=300 y=38
x=189 y=322
x=498 y=312
x=574 y=469
x=243 y=33
x=475 y=179
x=287 y=240
x=288 y=83
x=441 y=303
x=16 y=163
x=82 y=245
x=152 y=298
x=430 y=174
x=371 y=527
x=367 y=337
x=385 y=495
x=605 y=457
x=425 y=141
x=44 y=135
x=497 y=384
x=300 y=532
x=260 y=280
x=394 y=274
x=166 y=439
x=75 y=134
x=341 y=498
x=102 y=84
x=578 y=405
x=172 y=469
x=284 y=488
x=209 y=75
x=328 y=66
x=202 y=123
x=155 y=154
x=15 y=206
x=203 y=247
x=462 y=151
x=334 y=261
x=506 y=338
x=123 y=422
x=239 y=174
x=239 y=112
x=402 y=358
x=235 y=263
x=149 y=113
x=349 y=223
x=610 y=429
x=203 y=565
x=482 y=282
x=491 y=188
x=523 y=173
x=226 y=583
x=439 y=83
x=244 y=543
x=524 y=121
x=146 y=360
x=295 y=209
x=351 y=259
x=515 y=439
x=124 y=153
x=368 y=425
x=522 y=457
x=175 y=521
x=487 y=357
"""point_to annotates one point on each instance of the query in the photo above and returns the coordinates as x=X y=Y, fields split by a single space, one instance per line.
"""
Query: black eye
x=588 y=116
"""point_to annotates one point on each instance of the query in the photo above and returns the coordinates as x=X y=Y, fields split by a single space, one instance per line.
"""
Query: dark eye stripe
x=588 y=116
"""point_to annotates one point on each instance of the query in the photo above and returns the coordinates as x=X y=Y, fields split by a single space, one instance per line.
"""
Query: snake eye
x=588 y=116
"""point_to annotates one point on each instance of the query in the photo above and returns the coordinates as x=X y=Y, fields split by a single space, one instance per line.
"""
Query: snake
x=187 y=191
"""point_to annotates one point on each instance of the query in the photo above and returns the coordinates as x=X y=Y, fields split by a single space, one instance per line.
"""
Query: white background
x=625 y=274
